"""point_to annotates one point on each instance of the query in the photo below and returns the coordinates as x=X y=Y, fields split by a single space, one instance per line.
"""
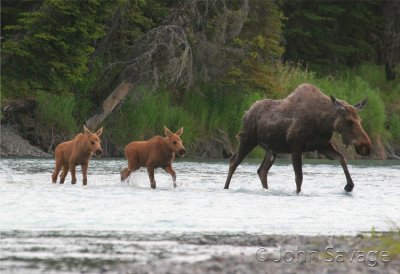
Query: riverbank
x=13 y=145
x=124 y=252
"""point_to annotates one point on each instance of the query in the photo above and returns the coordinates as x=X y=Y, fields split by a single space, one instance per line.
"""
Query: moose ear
x=86 y=131
x=337 y=104
x=99 y=131
x=167 y=132
x=361 y=104
x=179 y=132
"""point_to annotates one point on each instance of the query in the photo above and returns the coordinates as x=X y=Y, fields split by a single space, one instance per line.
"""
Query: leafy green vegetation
x=54 y=52
x=201 y=115
x=56 y=112
x=71 y=54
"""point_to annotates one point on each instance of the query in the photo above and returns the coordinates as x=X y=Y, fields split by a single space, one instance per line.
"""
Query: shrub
x=56 y=112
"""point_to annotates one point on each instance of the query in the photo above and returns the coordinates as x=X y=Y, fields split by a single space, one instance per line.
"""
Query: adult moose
x=76 y=152
x=157 y=152
x=304 y=121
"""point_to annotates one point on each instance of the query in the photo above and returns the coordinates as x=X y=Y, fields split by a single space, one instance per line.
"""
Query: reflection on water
x=31 y=206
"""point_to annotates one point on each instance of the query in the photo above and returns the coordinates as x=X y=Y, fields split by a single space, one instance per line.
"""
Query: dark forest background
x=197 y=64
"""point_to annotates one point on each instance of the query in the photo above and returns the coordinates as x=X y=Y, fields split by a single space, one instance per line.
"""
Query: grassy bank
x=206 y=111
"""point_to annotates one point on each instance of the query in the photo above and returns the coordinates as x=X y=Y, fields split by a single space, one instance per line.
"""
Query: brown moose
x=304 y=121
x=76 y=152
x=157 y=152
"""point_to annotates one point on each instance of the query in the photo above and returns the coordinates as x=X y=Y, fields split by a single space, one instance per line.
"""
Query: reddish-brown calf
x=157 y=152
x=78 y=151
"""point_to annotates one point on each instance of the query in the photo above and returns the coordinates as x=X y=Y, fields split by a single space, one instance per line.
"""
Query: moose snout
x=363 y=149
x=182 y=152
x=98 y=152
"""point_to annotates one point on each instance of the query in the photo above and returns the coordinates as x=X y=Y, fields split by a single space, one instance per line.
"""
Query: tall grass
x=56 y=112
x=202 y=114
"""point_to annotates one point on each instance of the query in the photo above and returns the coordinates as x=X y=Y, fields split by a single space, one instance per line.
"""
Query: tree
x=391 y=37
x=327 y=35
x=51 y=46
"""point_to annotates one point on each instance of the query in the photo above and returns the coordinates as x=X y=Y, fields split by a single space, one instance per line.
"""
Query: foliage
x=56 y=112
x=58 y=51
x=52 y=45
x=201 y=115
x=260 y=40
x=329 y=35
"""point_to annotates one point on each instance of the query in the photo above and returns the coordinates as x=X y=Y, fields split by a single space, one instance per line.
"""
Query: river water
x=40 y=219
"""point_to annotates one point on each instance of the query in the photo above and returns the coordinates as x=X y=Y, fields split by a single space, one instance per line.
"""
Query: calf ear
x=179 y=132
x=337 y=104
x=86 y=131
x=167 y=132
x=361 y=104
x=99 y=131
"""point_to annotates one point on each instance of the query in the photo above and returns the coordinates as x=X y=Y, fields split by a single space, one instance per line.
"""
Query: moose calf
x=157 y=152
x=77 y=152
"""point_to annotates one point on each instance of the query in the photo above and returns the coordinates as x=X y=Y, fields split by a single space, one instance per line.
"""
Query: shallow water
x=35 y=208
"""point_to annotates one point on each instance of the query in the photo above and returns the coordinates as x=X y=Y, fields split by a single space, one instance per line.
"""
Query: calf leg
x=237 y=158
x=297 y=166
x=84 y=173
x=132 y=166
x=262 y=171
x=73 y=173
x=150 y=171
x=56 y=171
x=331 y=153
x=64 y=173
x=171 y=171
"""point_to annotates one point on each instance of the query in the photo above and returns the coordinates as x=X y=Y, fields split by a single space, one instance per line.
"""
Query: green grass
x=202 y=114
x=55 y=112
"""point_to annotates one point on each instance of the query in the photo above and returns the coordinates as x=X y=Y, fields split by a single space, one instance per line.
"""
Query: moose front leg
x=171 y=171
x=150 y=171
x=331 y=153
x=297 y=166
x=84 y=173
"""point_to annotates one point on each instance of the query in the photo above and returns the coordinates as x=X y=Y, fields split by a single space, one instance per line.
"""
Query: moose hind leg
x=132 y=166
x=262 y=171
x=237 y=158
x=64 y=173
x=331 y=153
x=125 y=173
x=56 y=172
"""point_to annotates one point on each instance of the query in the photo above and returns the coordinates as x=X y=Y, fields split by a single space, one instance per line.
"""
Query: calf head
x=174 y=141
x=93 y=141
x=348 y=124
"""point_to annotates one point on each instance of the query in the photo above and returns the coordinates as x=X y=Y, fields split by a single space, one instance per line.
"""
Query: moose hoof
x=175 y=185
x=348 y=188
x=73 y=182
x=153 y=186
x=298 y=191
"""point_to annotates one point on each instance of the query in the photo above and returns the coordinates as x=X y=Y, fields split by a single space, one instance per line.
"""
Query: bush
x=56 y=112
